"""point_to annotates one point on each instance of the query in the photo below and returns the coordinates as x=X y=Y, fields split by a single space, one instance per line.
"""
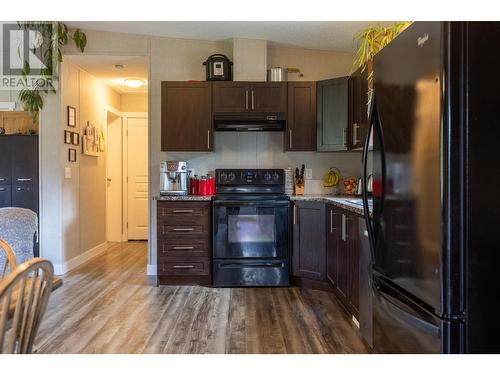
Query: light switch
x=308 y=174
x=67 y=172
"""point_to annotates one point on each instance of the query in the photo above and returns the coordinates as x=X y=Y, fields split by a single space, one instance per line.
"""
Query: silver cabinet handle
x=331 y=221
x=2 y=179
x=290 y=138
x=343 y=228
x=355 y=128
x=183 y=267
x=253 y=101
x=183 y=247
x=183 y=229
x=2 y=189
x=294 y=214
x=182 y=211
x=208 y=139
x=23 y=179
x=246 y=99
x=20 y=189
x=344 y=137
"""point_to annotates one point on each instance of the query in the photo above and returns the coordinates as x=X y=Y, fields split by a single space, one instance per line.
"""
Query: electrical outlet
x=308 y=174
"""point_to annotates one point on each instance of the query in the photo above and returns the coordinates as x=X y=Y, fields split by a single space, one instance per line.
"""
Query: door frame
x=125 y=117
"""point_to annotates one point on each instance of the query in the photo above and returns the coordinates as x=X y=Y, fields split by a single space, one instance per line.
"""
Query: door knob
x=108 y=179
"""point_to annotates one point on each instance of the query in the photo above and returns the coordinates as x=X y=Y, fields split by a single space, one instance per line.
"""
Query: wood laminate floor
x=108 y=305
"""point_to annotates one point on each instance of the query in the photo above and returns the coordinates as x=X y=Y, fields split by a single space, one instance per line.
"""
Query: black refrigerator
x=434 y=231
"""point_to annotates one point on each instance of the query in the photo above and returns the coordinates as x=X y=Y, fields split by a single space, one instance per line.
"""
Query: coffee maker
x=173 y=178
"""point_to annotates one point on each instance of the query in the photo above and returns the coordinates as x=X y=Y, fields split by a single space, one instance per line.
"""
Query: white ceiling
x=103 y=67
x=334 y=35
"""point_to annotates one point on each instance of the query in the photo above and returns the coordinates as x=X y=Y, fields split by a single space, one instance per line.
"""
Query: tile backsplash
x=265 y=150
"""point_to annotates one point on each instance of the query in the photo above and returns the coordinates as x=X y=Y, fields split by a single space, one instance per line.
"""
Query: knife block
x=298 y=189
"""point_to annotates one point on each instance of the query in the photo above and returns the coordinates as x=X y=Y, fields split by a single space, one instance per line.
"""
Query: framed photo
x=71 y=116
x=68 y=137
x=72 y=155
x=75 y=138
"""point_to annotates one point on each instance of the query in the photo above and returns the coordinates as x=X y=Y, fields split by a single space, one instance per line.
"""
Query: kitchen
x=255 y=227
x=300 y=200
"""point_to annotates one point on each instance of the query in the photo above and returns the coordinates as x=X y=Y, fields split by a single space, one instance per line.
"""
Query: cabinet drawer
x=168 y=211
x=184 y=248
x=172 y=266
x=182 y=231
x=5 y=200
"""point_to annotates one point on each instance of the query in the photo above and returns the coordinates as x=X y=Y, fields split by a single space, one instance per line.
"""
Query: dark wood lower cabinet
x=308 y=258
x=342 y=256
x=184 y=243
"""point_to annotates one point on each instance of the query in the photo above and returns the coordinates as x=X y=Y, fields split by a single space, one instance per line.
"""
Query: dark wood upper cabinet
x=231 y=97
x=234 y=97
x=268 y=96
x=358 y=108
x=309 y=240
x=301 y=123
x=333 y=114
x=186 y=116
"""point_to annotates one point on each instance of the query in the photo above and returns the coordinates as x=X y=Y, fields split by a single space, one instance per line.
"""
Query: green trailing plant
x=370 y=41
x=54 y=36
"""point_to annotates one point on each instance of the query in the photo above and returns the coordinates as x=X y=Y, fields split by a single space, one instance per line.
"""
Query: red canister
x=202 y=187
x=211 y=185
x=193 y=185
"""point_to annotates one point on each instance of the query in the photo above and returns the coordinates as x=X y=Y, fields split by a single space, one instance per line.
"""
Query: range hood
x=249 y=121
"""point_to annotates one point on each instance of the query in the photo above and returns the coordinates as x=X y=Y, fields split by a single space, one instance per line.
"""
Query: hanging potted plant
x=53 y=36
x=369 y=42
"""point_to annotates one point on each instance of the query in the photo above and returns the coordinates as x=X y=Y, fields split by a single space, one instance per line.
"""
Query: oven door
x=250 y=229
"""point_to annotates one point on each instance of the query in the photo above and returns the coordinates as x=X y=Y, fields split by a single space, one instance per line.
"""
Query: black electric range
x=250 y=228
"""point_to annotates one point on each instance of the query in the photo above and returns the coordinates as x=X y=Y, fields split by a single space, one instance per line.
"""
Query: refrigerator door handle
x=364 y=181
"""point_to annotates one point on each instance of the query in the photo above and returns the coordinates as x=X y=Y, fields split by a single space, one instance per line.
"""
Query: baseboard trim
x=151 y=270
x=61 y=269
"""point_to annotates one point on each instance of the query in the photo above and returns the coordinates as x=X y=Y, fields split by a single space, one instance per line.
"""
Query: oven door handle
x=251 y=265
x=269 y=203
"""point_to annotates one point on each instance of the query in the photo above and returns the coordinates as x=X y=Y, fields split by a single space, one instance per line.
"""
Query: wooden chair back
x=24 y=294
x=10 y=259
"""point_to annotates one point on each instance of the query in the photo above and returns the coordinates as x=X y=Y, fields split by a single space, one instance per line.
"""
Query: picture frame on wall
x=75 y=139
x=68 y=138
x=72 y=155
x=71 y=116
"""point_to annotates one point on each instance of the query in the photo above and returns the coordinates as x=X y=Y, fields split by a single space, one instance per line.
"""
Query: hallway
x=108 y=305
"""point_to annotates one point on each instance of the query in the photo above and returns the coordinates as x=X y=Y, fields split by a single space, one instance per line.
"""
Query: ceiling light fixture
x=134 y=83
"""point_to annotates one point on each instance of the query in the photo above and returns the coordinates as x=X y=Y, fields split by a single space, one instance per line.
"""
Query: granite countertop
x=350 y=203
x=183 y=198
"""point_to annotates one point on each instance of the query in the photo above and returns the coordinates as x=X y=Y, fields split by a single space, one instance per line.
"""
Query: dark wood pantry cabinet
x=301 y=123
x=358 y=108
x=333 y=114
x=261 y=97
x=186 y=116
x=309 y=241
x=342 y=256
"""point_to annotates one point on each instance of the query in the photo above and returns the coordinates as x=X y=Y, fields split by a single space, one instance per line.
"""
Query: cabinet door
x=5 y=160
x=186 y=116
x=333 y=243
x=231 y=97
x=301 y=122
x=353 y=262
x=5 y=200
x=343 y=280
x=268 y=97
x=309 y=245
x=25 y=196
x=333 y=108
x=358 y=108
x=24 y=159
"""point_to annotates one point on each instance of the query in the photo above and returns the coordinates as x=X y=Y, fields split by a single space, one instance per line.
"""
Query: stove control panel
x=249 y=176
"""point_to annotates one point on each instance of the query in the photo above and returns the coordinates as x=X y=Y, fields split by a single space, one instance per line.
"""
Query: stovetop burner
x=250 y=181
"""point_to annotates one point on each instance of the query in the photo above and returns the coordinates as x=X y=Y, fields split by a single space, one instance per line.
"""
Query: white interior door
x=114 y=185
x=137 y=165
